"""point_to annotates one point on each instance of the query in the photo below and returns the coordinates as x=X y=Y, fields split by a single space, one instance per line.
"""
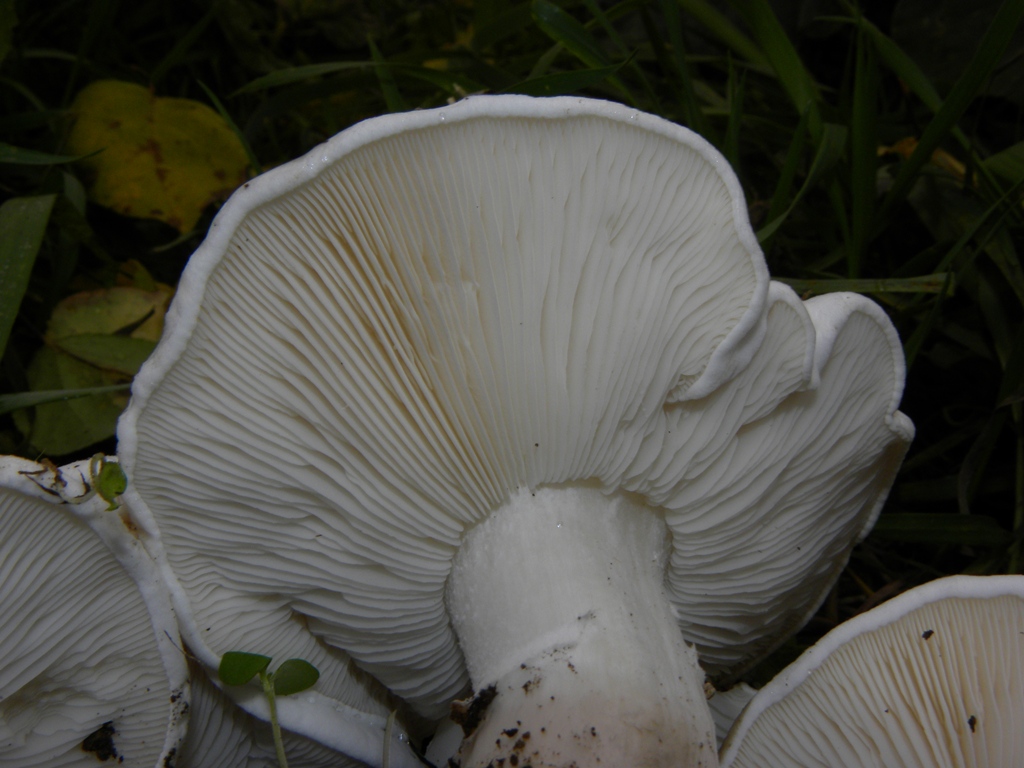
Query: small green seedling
x=108 y=479
x=293 y=676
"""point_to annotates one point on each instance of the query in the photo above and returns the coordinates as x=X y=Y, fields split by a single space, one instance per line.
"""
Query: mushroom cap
x=769 y=481
x=932 y=677
x=82 y=665
x=379 y=343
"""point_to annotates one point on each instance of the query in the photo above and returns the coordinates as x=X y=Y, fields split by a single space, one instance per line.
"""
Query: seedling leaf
x=294 y=676
x=110 y=482
x=238 y=667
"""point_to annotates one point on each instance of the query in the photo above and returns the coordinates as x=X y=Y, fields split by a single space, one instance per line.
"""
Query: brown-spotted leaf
x=156 y=158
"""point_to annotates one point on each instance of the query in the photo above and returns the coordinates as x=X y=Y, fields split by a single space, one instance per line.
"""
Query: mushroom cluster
x=491 y=411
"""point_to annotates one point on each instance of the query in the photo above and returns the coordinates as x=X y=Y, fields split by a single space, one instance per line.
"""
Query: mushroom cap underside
x=380 y=342
x=82 y=674
x=932 y=677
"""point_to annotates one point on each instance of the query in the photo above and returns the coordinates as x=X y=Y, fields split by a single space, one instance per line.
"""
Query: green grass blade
x=863 y=154
x=788 y=172
x=913 y=344
x=254 y=162
x=569 y=33
x=986 y=59
x=783 y=58
x=609 y=29
x=8 y=21
x=386 y=78
x=675 y=63
x=940 y=283
x=830 y=149
x=292 y=75
x=18 y=156
x=23 y=223
x=972 y=468
x=563 y=82
x=182 y=46
x=906 y=69
x=19 y=400
x=727 y=32
x=731 y=142
x=1009 y=163
x=575 y=38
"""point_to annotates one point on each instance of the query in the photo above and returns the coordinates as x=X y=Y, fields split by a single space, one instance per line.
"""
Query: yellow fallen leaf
x=157 y=158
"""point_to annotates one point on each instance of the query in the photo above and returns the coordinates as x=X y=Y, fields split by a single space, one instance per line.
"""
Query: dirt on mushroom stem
x=559 y=606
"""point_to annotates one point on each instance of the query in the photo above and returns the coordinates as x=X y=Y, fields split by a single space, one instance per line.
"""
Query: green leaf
x=23 y=223
x=293 y=676
x=239 y=667
x=122 y=354
x=110 y=482
x=18 y=156
x=120 y=310
x=67 y=426
x=18 y=400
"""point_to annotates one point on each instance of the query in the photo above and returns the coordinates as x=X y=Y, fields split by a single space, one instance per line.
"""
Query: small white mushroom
x=934 y=677
x=498 y=396
x=88 y=667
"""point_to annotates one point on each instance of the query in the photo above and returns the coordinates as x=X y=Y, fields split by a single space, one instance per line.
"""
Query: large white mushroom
x=934 y=677
x=496 y=397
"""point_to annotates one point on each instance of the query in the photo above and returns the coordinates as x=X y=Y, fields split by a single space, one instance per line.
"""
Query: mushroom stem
x=571 y=644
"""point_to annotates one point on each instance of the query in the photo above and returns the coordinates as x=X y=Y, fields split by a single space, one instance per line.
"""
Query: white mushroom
x=934 y=677
x=87 y=660
x=390 y=353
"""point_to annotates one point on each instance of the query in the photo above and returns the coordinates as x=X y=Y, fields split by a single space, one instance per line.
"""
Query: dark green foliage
x=238 y=667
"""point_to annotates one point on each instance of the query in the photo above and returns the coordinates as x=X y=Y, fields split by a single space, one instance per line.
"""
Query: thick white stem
x=574 y=653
